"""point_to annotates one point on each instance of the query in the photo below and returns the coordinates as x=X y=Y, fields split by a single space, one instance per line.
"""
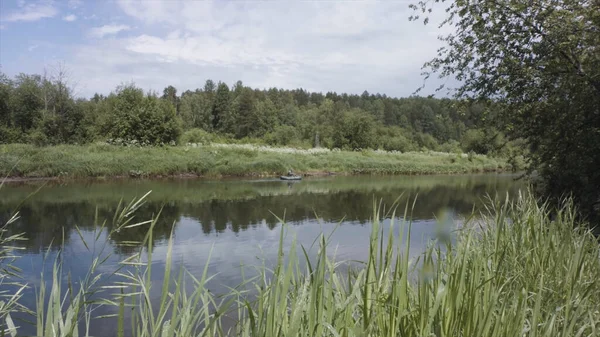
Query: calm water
x=237 y=219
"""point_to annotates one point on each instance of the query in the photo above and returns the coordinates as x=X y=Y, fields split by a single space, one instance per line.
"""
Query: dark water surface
x=236 y=219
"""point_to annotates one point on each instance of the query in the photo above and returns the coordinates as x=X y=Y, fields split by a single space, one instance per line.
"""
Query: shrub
x=397 y=143
x=10 y=135
x=475 y=141
x=249 y=140
x=471 y=155
x=38 y=138
x=425 y=140
x=282 y=135
x=355 y=131
x=51 y=130
x=451 y=146
x=197 y=136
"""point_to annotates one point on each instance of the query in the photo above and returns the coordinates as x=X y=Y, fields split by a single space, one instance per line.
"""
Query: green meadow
x=102 y=160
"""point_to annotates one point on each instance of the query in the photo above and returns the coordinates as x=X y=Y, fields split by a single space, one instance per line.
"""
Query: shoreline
x=190 y=176
x=26 y=163
x=178 y=176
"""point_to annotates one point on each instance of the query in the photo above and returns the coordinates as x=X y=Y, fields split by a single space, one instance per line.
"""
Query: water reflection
x=234 y=220
x=236 y=206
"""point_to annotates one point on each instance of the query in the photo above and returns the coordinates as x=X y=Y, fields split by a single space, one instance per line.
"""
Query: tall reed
x=512 y=272
x=11 y=285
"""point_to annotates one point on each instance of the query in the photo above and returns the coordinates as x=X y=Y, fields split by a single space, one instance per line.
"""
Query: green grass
x=518 y=269
x=101 y=160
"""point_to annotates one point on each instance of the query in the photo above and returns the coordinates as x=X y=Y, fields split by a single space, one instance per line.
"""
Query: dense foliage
x=540 y=61
x=43 y=111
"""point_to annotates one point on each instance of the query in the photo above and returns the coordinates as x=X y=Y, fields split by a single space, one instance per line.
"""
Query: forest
x=43 y=110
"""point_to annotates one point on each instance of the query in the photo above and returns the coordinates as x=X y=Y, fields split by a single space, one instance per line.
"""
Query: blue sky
x=343 y=46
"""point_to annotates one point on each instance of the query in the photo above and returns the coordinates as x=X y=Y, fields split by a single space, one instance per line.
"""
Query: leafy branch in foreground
x=538 y=62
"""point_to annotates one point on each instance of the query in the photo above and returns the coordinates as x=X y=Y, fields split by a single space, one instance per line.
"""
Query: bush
x=38 y=138
x=517 y=163
x=475 y=141
x=282 y=135
x=10 y=135
x=471 y=155
x=355 y=131
x=397 y=143
x=51 y=130
x=425 y=140
x=196 y=136
x=451 y=146
x=249 y=140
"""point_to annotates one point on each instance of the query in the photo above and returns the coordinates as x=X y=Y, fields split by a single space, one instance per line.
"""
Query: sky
x=341 y=46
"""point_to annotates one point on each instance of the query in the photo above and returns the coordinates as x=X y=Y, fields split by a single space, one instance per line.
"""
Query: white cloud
x=73 y=4
x=33 y=47
x=31 y=12
x=108 y=30
x=322 y=46
x=70 y=18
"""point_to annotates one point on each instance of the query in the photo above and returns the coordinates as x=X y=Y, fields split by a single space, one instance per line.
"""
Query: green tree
x=237 y=88
x=5 y=94
x=209 y=86
x=540 y=61
x=475 y=140
x=170 y=95
x=55 y=116
x=378 y=110
x=323 y=121
x=390 y=113
x=267 y=114
x=354 y=131
x=221 y=106
x=282 y=135
x=196 y=111
x=142 y=118
x=159 y=123
x=125 y=105
x=301 y=97
x=247 y=122
x=395 y=139
x=425 y=141
x=26 y=103
x=65 y=127
x=288 y=115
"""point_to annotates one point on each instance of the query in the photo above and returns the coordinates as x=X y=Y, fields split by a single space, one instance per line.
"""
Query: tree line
x=43 y=110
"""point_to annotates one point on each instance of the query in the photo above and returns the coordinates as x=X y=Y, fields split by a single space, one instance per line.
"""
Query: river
x=234 y=220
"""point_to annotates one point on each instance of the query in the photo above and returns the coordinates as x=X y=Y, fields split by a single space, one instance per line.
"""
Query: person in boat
x=290 y=173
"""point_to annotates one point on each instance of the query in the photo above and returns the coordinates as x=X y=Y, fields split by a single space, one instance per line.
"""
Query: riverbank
x=19 y=161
